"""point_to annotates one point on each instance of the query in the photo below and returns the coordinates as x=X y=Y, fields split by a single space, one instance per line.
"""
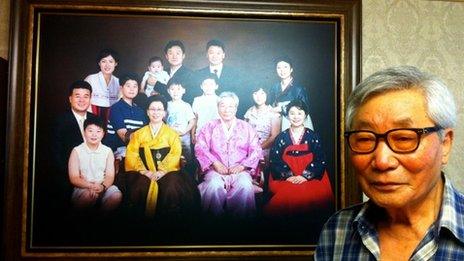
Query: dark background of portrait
x=69 y=45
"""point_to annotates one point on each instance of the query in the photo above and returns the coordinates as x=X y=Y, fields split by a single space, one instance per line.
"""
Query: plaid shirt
x=350 y=234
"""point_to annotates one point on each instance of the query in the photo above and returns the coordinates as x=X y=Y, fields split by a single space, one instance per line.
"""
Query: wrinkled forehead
x=227 y=101
x=404 y=96
x=400 y=108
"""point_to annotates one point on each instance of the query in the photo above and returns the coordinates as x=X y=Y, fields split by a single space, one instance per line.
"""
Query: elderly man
x=228 y=151
x=401 y=124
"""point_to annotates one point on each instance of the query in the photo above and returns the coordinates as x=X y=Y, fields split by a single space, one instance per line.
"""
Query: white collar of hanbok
x=228 y=131
x=154 y=132
x=101 y=79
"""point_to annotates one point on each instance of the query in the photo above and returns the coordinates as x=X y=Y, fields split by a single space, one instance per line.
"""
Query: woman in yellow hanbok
x=153 y=177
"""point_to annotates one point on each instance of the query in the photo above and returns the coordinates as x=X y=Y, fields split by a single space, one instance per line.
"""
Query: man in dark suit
x=175 y=54
x=229 y=78
x=68 y=133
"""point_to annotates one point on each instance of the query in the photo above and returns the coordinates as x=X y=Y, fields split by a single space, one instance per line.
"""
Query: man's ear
x=447 y=142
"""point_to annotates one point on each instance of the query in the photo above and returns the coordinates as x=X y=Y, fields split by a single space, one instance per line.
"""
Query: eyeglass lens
x=397 y=140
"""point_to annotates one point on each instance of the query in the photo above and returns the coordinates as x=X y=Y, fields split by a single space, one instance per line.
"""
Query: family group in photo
x=178 y=142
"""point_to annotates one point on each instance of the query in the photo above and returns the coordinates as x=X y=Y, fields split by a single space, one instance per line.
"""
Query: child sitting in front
x=180 y=117
x=91 y=170
x=155 y=74
x=205 y=106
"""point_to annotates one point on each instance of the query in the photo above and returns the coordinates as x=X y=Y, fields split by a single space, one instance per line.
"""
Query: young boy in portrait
x=91 y=170
x=205 y=106
x=181 y=117
x=125 y=117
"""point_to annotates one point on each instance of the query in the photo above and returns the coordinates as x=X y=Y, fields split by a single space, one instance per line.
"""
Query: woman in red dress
x=298 y=183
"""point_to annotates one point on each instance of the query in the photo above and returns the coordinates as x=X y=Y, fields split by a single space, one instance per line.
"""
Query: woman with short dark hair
x=286 y=90
x=105 y=86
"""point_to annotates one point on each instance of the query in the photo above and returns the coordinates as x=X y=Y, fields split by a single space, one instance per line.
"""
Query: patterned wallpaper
x=4 y=28
x=426 y=34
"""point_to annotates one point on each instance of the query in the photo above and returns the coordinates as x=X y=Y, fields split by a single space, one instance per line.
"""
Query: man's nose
x=383 y=157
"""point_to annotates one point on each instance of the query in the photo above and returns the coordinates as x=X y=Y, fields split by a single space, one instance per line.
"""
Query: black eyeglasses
x=403 y=140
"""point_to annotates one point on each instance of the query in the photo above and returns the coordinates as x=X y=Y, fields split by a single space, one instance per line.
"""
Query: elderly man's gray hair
x=224 y=95
x=441 y=107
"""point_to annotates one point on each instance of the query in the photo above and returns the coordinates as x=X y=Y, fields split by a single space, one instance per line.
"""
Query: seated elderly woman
x=400 y=123
x=228 y=151
x=299 y=183
x=152 y=164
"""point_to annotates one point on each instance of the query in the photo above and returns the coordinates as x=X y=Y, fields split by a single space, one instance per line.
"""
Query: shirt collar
x=452 y=211
x=172 y=71
x=102 y=77
x=98 y=150
x=228 y=131
x=127 y=104
x=210 y=98
x=363 y=221
x=78 y=116
x=218 y=68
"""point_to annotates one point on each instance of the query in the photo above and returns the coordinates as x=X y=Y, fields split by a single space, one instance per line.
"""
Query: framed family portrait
x=55 y=43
